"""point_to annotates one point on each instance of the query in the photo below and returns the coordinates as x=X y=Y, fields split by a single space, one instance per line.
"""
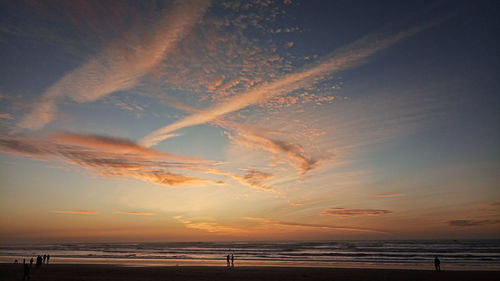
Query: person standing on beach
x=437 y=263
x=48 y=259
x=31 y=262
x=26 y=272
x=232 y=260
x=227 y=258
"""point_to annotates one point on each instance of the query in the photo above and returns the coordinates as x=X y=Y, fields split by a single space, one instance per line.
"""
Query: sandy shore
x=112 y=272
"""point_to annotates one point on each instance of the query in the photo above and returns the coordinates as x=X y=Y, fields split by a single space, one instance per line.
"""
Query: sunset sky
x=255 y=120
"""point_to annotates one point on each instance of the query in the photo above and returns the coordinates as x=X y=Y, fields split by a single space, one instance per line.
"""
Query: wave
x=471 y=252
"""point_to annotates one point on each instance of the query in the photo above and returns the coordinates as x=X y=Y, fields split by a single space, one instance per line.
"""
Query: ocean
x=454 y=254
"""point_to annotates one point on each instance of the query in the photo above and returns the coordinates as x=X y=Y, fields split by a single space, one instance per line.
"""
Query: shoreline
x=144 y=262
x=84 y=272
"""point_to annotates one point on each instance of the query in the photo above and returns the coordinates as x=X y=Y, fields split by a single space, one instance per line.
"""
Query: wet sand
x=83 y=272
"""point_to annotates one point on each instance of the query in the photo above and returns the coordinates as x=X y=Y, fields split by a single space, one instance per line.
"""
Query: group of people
x=39 y=261
x=230 y=258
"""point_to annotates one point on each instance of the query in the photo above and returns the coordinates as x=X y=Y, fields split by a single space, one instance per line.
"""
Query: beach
x=85 y=272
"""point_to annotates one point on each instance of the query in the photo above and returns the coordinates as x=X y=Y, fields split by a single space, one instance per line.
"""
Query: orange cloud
x=347 y=57
x=216 y=83
x=114 y=144
x=135 y=213
x=161 y=178
x=211 y=227
x=341 y=212
x=111 y=157
x=6 y=116
x=76 y=212
x=119 y=66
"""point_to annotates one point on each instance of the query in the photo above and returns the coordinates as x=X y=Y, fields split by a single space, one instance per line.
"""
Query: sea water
x=480 y=254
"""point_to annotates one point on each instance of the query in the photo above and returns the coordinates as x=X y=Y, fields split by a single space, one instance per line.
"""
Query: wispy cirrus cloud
x=161 y=178
x=341 y=212
x=308 y=225
x=120 y=65
x=256 y=225
x=110 y=157
x=252 y=178
x=295 y=153
x=470 y=223
x=113 y=144
x=135 y=213
x=210 y=226
x=76 y=212
x=347 y=57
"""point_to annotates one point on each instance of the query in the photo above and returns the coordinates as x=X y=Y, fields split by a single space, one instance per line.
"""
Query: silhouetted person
x=44 y=258
x=38 y=261
x=227 y=258
x=48 y=259
x=31 y=262
x=24 y=261
x=26 y=272
x=437 y=264
x=232 y=260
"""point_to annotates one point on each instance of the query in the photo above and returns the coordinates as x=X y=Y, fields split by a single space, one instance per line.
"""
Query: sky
x=248 y=120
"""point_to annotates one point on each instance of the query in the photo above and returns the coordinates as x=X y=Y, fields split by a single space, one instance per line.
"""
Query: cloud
x=119 y=66
x=252 y=178
x=221 y=57
x=295 y=153
x=341 y=212
x=113 y=144
x=135 y=213
x=6 y=116
x=76 y=212
x=161 y=178
x=307 y=225
x=212 y=227
x=387 y=195
x=110 y=157
x=122 y=158
x=467 y=223
x=347 y=57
